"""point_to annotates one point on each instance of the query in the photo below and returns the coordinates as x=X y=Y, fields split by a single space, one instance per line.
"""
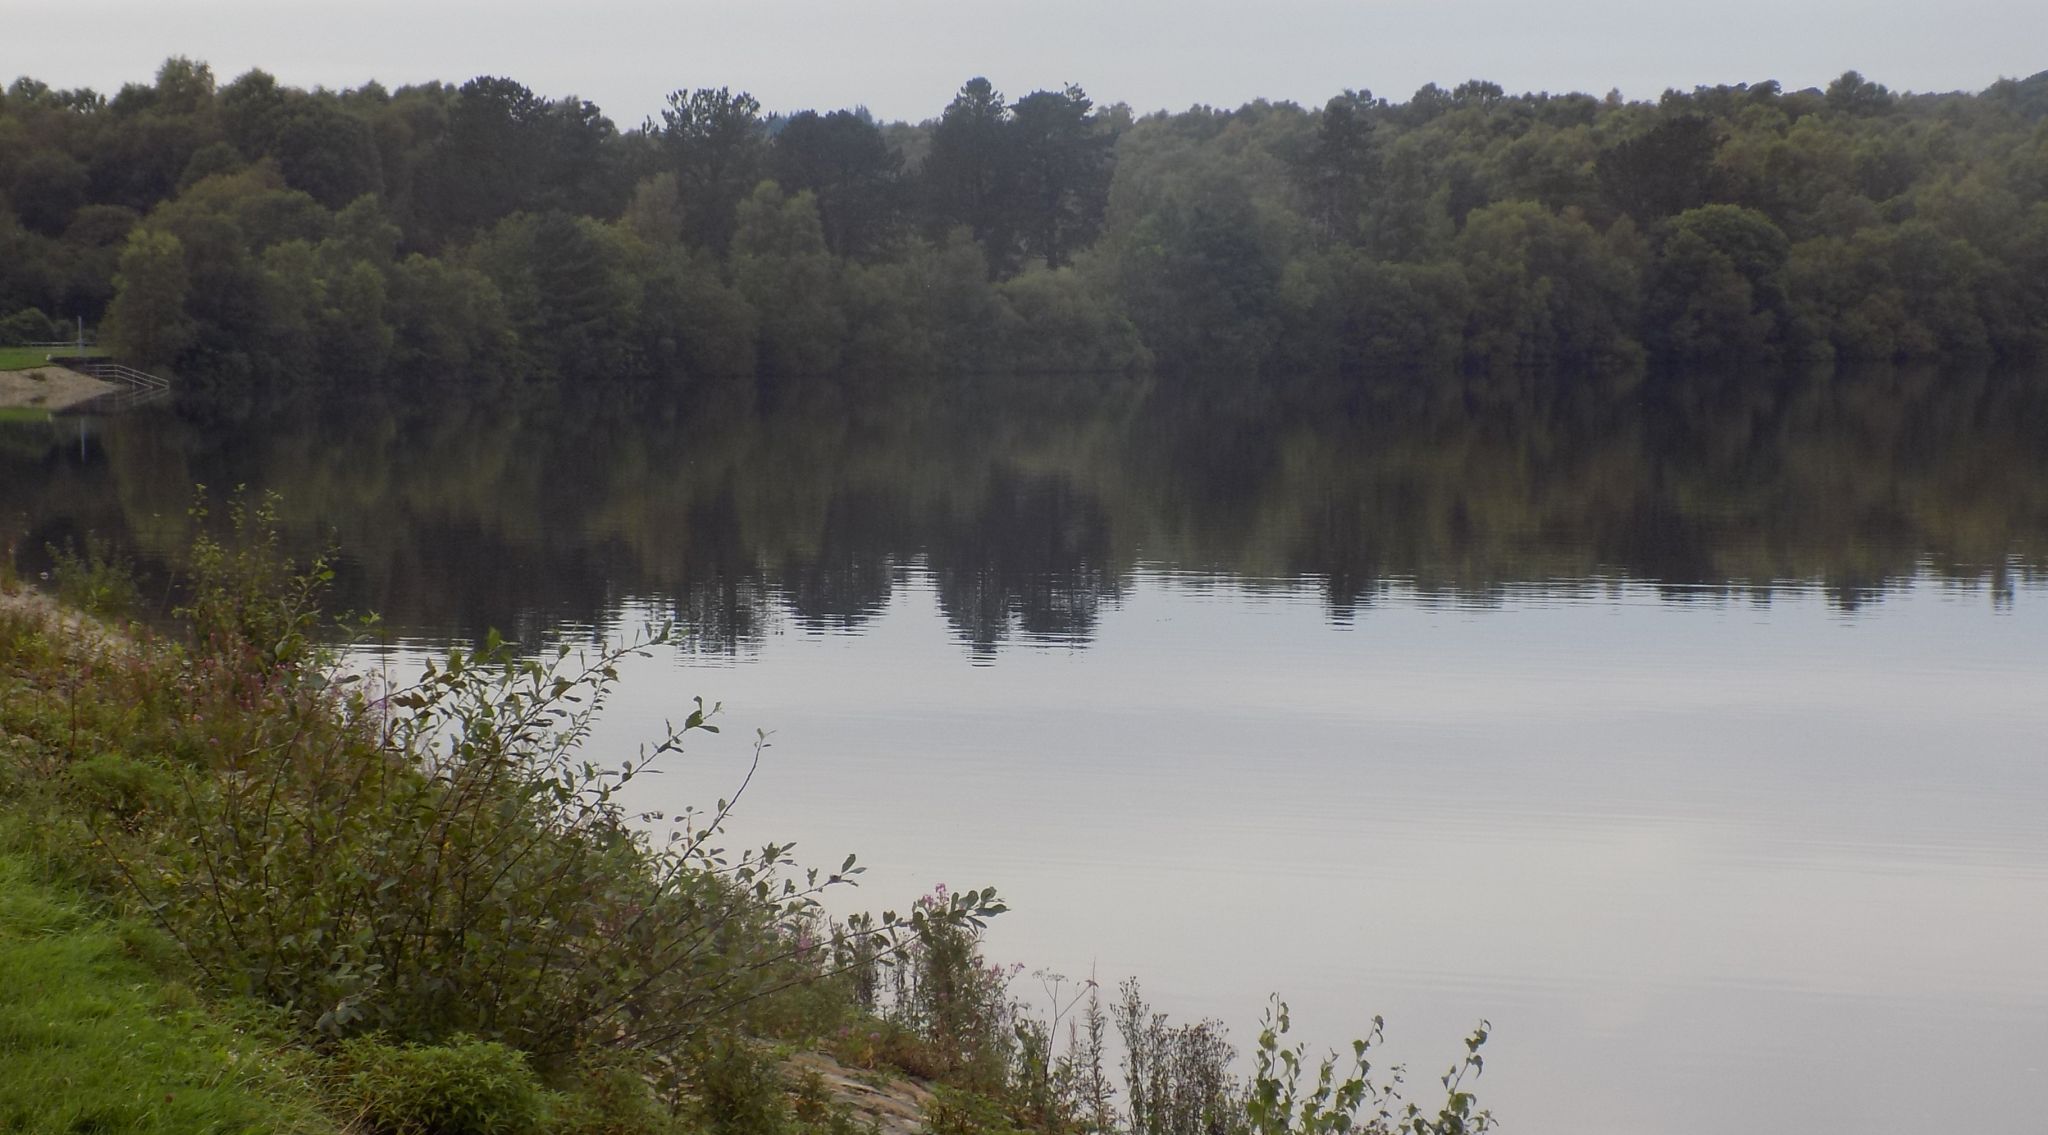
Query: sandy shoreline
x=49 y=388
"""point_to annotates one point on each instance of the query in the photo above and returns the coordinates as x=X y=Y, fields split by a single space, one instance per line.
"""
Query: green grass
x=93 y=1039
x=22 y=358
x=107 y=1026
x=22 y=414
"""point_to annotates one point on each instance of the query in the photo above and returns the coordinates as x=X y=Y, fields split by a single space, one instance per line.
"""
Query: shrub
x=1177 y=1077
x=1276 y=1102
x=817 y=1113
x=1179 y=1083
x=30 y=325
x=444 y=859
x=468 y=1087
x=94 y=580
x=249 y=605
x=737 y=1088
x=120 y=786
x=953 y=1000
x=610 y=1098
x=953 y=1111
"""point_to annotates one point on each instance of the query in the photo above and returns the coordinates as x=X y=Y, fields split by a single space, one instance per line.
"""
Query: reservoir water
x=1697 y=738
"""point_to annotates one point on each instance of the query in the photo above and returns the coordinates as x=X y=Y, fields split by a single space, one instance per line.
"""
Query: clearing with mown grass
x=25 y=358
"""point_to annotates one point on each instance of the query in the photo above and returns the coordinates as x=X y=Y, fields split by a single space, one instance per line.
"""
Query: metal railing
x=107 y=370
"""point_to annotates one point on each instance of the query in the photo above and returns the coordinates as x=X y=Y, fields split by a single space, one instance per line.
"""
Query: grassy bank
x=443 y=922
x=185 y=789
x=96 y=1034
x=23 y=358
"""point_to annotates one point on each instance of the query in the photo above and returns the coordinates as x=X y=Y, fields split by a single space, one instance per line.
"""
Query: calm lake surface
x=1694 y=737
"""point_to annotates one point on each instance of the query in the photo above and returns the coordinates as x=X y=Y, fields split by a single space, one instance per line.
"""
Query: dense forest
x=252 y=233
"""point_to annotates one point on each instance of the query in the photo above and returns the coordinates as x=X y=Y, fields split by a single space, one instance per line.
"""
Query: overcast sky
x=905 y=58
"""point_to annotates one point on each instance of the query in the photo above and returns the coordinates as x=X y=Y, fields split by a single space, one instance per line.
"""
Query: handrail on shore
x=107 y=370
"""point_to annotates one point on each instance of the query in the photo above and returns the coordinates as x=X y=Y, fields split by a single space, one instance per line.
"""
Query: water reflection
x=1695 y=740
x=1030 y=506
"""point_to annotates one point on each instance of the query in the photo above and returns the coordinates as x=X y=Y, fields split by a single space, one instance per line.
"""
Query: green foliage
x=455 y=869
x=148 y=321
x=567 y=291
x=23 y=358
x=95 y=580
x=464 y=1087
x=1062 y=155
x=1718 y=288
x=448 y=319
x=971 y=173
x=1279 y=1102
x=715 y=142
x=1060 y=322
x=843 y=161
x=1177 y=1078
x=423 y=862
x=1350 y=315
x=694 y=323
x=954 y=1111
x=817 y=1113
x=955 y=1002
x=736 y=1088
x=30 y=325
x=780 y=264
x=543 y=241
x=95 y=1040
x=1200 y=286
x=252 y=613
x=122 y=788
x=1663 y=171
x=608 y=1096
x=1547 y=290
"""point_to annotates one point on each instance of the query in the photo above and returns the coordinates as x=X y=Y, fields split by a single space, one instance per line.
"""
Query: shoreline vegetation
x=258 y=236
x=259 y=895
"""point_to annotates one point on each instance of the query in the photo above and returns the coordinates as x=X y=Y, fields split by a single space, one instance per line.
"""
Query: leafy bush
x=817 y=1113
x=610 y=1098
x=250 y=607
x=953 y=1000
x=121 y=787
x=950 y=1017
x=738 y=1090
x=30 y=325
x=94 y=580
x=1176 y=1077
x=1276 y=1101
x=443 y=859
x=954 y=1111
x=467 y=1087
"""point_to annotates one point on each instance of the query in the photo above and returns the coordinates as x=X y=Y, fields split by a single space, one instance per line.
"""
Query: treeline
x=256 y=231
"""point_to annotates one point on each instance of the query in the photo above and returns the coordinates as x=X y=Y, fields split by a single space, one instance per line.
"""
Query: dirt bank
x=48 y=388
